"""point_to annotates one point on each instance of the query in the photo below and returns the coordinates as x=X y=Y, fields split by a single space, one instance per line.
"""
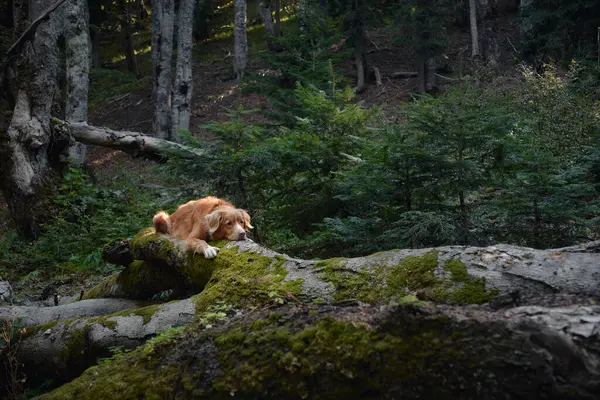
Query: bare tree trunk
x=240 y=39
x=303 y=14
x=95 y=38
x=29 y=154
x=77 y=42
x=277 y=29
x=266 y=15
x=162 y=51
x=183 y=87
x=421 y=72
x=430 y=81
x=359 y=58
x=132 y=65
x=488 y=17
x=474 y=31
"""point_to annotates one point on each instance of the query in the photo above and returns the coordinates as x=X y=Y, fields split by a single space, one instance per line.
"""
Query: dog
x=199 y=221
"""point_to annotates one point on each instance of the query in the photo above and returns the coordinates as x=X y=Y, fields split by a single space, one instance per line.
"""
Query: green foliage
x=85 y=218
x=561 y=29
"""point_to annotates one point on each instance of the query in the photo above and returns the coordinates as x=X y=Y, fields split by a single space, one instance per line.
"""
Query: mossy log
x=246 y=277
x=408 y=351
x=456 y=274
x=61 y=349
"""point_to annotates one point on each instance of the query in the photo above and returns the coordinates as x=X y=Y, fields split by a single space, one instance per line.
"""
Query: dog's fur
x=199 y=221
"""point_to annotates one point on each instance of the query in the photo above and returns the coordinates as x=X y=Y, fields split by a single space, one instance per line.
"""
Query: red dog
x=199 y=221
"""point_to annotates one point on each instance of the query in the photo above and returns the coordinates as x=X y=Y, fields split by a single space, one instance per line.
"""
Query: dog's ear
x=247 y=219
x=213 y=220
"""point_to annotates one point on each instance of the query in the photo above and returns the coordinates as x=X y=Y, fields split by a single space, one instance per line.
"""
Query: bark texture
x=78 y=53
x=265 y=12
x=32 y=315
x=488 y=16
x=183 y=87
x=162 y=51
x=29 y=153
x=474 y=29
x=240 y=40
x=134 y=143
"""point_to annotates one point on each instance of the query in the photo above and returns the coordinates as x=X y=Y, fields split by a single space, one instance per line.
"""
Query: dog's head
x=228 y=223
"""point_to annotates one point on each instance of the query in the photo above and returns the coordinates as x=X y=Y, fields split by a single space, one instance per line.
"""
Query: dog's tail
x=162 y=222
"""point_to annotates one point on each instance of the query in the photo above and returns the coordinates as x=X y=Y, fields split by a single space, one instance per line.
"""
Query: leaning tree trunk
x=78 y=51
x=474 y=31
x=162 y=50
x=182 y=89
x=29 y=153
x=240 y=39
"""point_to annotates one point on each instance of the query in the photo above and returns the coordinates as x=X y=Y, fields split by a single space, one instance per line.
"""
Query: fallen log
x=517 y=283
x=32 y=315
x=61 y=350
x=134 y=143
x=458 y=274
x=408 y=351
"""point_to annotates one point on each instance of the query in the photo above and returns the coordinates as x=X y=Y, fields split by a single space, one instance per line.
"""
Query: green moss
x=472 y=290
x=76 y=345
x=362 y=285
x=103 y=289
x=146 y=312
x=30 y=331
x=242 y=279
x=346 y=350
x=414 y=274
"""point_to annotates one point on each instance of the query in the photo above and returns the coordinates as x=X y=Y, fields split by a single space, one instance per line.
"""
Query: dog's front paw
x=211 y=252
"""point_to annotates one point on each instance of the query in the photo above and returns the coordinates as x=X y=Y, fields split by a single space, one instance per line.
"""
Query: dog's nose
x=242 y=236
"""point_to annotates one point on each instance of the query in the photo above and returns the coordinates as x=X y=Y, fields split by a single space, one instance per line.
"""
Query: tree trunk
x=421 y=73
x=132 y=65
x=488 y=16
x=162 y=51
x=277 y=28
x=134 y=143
x=95 y=36
x=30 y=155
x=474 y=31
x=183 y=87
x=303 y=15
x=240 y=39
x=266 y=15
x=430 y=80
x=77 y=44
